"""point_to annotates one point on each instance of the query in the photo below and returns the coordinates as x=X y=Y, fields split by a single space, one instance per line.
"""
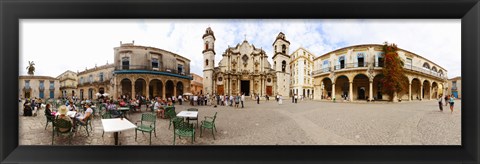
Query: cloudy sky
x=59 y=45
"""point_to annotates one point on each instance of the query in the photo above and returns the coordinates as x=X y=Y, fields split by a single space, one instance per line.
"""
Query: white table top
x=69 y=113
x=190 y=114
x=117 y=125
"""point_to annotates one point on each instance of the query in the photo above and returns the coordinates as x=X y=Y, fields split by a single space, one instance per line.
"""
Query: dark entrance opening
x=361 y=62
x=245 y=87
x=361 y=93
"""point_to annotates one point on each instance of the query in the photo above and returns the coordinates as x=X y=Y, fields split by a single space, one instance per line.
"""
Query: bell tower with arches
x=209 y=60
x=282 y=60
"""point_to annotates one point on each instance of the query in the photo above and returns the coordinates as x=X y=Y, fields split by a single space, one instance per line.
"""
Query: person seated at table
x=112 y=108
x=48 y=111
x=71 y=107
x=158 y=108
x=82 y=118
x=134 y=104
x=122 y=103
x=62 y=110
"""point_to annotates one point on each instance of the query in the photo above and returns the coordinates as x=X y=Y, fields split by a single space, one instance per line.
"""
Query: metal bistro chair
x=183 y=129
x=172 y=115
x=87 y=123
x=209 y=123
x=147 y=124
x=61 y=123
x=49 y=119
x=193 y=109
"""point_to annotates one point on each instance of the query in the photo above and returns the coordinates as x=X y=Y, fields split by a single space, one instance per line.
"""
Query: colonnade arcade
x=151 y=85
x=360 y=86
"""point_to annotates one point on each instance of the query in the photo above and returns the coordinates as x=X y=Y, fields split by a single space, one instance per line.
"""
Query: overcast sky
x=59 y=45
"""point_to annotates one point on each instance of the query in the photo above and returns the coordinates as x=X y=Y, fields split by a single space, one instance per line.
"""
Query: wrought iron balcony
x=150 y=68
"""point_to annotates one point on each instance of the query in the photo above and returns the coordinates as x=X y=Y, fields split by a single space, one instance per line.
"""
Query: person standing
x=231 y=100
x=225 y=99
x=279 y=99
x=195 y=98
x=242 y=98
x=237 y=100
x=446 y=100
x=258 y=99
x=180 y=99
x=451 y=103
x=296 y=98
x=293 y=98
x=440 y=104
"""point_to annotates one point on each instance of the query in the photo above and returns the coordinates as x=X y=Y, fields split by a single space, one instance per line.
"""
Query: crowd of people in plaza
x=447 y=99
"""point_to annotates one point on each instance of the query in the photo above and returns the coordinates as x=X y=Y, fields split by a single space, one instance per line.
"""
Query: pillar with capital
x=421 y=91
x=133 y=89
x=163 y=90
x=370 y=91
x=350 y=91
x=174 y=90
x=409 y=91
x=333 y=91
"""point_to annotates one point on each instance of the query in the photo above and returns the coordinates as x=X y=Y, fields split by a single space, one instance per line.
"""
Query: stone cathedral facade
x=244 y=68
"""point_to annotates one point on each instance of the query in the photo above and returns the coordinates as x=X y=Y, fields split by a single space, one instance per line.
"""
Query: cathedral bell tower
x=208 y=61
x=281 y=61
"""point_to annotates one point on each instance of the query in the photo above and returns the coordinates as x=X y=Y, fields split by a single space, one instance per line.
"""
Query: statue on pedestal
x=31 y=68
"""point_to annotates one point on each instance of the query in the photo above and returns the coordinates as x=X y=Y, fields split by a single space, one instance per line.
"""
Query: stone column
x=370 y=91
x=430 y=93
x=163 y=90
x=421 y=91
x=133 y=89
x=409 y=91
x=333 y=91
x=174 y=90
x=350 y=91
x=147 y=90
x=251 y=86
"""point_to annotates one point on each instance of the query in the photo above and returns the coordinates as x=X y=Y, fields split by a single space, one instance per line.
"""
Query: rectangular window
x=90 y=79
x=52 y=84
x=81 y=80
x=155 y=63
x=409 y=63
x=125 y=63
x=42 y=85
x=101 y=76
x=180 y=69
x=27 y=83
x=51 y=94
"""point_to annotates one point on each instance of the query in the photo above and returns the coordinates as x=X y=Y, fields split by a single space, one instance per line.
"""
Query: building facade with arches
x=355 y=73
x=244 y=68
x=149 y=71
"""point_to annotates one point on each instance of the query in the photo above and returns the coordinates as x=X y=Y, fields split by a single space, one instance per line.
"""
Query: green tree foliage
x=394 y=80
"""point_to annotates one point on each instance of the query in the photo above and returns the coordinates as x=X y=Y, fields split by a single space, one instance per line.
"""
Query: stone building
x=455 y=87
x=244 y=68
x=95 y=80
x=196 y=86
x=149 y=71
x=302 y=67
x=44 y=87
x=68 y=83
x=355 y=72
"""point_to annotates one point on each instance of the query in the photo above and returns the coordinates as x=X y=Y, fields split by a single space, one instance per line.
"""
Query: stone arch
x=426 y=65
x=405 y=92
x=434 y=68
x=378 y=87
x=126 y=87
x=435 y=92
x=426 y=89
x=416 y=87
x=361 y=86
x=326 y=88
x=180 y=88
x=342 y=84
x=169 y=87
x=140 y=87
x=155 y=88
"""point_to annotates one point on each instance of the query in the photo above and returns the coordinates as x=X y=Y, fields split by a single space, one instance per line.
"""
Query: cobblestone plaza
x=267 y=123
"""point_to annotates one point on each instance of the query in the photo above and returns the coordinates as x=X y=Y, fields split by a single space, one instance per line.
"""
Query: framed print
x=273 y=81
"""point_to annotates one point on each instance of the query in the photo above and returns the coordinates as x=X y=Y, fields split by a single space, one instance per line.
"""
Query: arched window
x=426 y=65
x=206 y=45
x=284 y=65
x=284 y=48
x=275 y=48
x=206 y=62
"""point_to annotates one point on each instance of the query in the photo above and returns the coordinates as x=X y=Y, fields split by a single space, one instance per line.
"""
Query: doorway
x=245 y=87
x=361 y=93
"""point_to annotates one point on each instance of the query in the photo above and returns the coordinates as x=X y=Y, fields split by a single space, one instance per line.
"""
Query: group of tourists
x=230 y=100
x=447 y=99
x=199 y=100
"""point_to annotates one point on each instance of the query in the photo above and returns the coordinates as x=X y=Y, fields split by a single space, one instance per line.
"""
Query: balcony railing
x=423 y=70
x=351 y=65
x=143 y=67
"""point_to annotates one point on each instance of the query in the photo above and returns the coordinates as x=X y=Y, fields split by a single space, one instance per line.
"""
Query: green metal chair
x=209 y=123
x=193 y=109
x=49 y=119
x=87 y=123
x=147 y=124
x=183 y=129
x=61 y=123
x=172 y=115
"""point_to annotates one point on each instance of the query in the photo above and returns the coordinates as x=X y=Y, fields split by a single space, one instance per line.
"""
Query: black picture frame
x=12 y=11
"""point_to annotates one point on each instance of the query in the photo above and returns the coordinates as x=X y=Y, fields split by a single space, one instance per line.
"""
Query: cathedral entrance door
x=220 y=89
x=269 y=90
x=245 y=87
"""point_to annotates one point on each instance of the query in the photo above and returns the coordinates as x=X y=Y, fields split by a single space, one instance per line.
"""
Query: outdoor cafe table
x=123 y=110
x=188 y=114
x=116 y=125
